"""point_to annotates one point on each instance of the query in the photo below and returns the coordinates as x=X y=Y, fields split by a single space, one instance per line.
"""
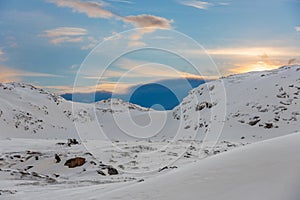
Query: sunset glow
x=45 y=42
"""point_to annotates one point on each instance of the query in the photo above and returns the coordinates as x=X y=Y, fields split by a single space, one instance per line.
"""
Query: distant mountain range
x=166 y=93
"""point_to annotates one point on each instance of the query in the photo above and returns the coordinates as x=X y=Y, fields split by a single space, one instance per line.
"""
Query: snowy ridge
x=27 y=111
x=117 y=106
x=261 y=104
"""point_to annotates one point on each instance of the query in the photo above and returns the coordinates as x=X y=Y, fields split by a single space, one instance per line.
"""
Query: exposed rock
x=254 y=122
x=72 y=142
x=268 y=125
x=101 y=172
x=57 y=158
x=75 y=162
x=164 y=168
x=203 y=105
x=112 y=171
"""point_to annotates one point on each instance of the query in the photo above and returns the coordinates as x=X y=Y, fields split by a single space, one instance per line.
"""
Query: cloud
x=134 y=43
x=133 y=71
x=9 y=74
x=74 y=66
x=263 y=51
x=149 y=21
x=292 y=61
x=297 y=28
x=119 y=88
x=11 y=41
x=2 y=58
x=261 y=65
x=59 y=40
x=146 y=23
x=197 y=4
x=122 y=1
x=65 y=31
x=92 y=42
x=90 y=8
x=246 y=58
x=224 y=3
x=65 y=35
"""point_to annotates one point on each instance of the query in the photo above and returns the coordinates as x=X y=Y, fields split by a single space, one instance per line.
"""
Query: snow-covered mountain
x=148 y=154
x=30 y=112
x=251 y=106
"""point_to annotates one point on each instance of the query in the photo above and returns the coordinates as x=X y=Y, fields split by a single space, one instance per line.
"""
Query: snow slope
x=255 y=105
x=266 y=170
x=30 y=112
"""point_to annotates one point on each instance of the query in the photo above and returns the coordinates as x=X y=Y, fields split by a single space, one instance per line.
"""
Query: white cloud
x=224 y=3
x=74 y=66
x=1 y=54
x=65 y=31
x=90 y=8
x=197 y=4
x=92 y=42
x=122 y=1
x=59 y=40
x=297 y=28
x=65 y=35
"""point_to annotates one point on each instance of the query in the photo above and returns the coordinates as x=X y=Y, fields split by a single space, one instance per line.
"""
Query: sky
x=115 y=45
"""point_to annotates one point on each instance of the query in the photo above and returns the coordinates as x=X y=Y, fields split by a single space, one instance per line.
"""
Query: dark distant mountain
x=87 y=97
x=161 y=95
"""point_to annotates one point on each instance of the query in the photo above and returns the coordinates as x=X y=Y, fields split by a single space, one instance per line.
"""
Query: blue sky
x=44 y=42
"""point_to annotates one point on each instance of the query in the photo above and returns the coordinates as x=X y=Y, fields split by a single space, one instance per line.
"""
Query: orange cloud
x=149 y=21
x=8 y=75
x=59 y=40
x=260 y=65
x=65 y=31
x=145 y=23
x=90 y=8
x=113 y=87
x=65 y=34
x=142 y=72
x=248 y=51
x=245 y=59
x=13 y=75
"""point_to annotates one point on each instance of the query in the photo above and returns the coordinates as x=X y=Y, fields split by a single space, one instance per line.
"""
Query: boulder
x=112 y=171
x=75 y=162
